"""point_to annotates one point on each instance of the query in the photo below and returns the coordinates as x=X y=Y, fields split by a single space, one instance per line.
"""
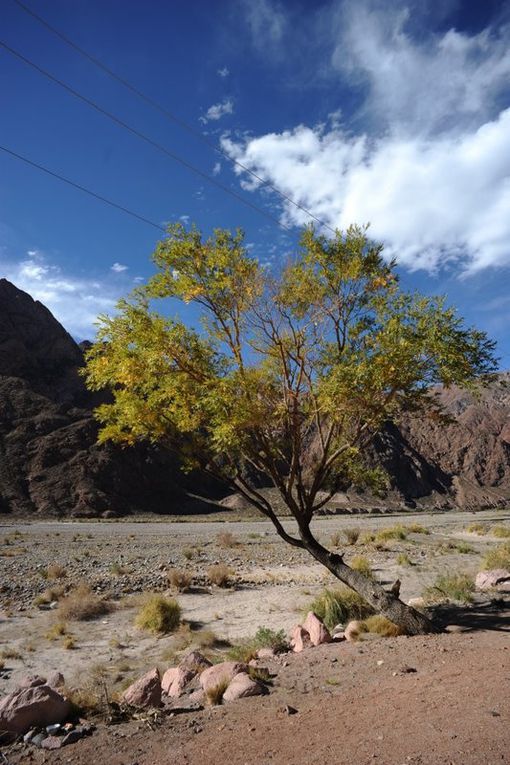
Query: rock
x=496 y=578
x=299 y=639
x=290 y=710
x=353 y=631
x=220 y=673
x=33 y=707
x=32 y=681
x=175 y=680
x=56 y=680
x=266 y=653
x=72 y=737
x=316 y=629
x=416 y=602
x=195 y=661
x=241 y=686
x=146 y=691
x=51 y=742
x=455 y=628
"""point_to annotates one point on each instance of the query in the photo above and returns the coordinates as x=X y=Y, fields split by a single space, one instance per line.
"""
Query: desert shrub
x=362 y=565
x=336 y=539
x=503 y=532
x=351 y=535
x=58 y=630
x=498 y=557
x=403 y=559
x=214 y=695
x=226 y=539
x=380 y=625
x=416 y=528
x=265 y=637
x=11 y=653
x=117 y=569
x=339 y=606
x=69 y=643
x=464 y=548
x=457 y=586
x=477 y=528
x=83 y=604
x=188 y=553
x=367 y=538
x=159 y=614
x=220 y=575
x=55 y=571
x=50 y=595
x=179 y=579
x=392 y=532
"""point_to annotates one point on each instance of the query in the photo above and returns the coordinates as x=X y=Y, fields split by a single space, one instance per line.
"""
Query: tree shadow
x=492 y=615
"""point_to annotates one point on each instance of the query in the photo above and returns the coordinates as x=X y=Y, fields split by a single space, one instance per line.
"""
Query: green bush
x=263 y=638
x=457 y=587
x=392 y=532
x=339 y=606
x=362 y=565
x=498 y=557
x=159 y=615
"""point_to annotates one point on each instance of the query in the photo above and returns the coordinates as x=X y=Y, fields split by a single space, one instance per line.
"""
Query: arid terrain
x=452 y=709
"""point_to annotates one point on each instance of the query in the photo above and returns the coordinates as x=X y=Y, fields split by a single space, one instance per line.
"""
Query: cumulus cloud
x=217 y=111
x=118 y=268
x=74 y=301
x=430 y=170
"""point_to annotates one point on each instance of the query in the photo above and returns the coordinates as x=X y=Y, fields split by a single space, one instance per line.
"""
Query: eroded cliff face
x=50 y=462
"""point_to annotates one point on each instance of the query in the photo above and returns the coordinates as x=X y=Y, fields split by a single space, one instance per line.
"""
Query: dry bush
x=58 y=630
x=55 y=571
x=159 y=614
x=179 y=579
x=416 y=528
x=503 y=532
x=50 y=595
x=458 y=587
x=464 y=548
x=367 y=538
x=403 y=559
x=380 y=625
x=220 y=575
x=214 y=695
x=477 y=528
x=83 y=604
x=392 y=532
x=246 y=650
x=339 y=606
x=498 y=557
x=227 y=539
x=11 y=653
x=351 y=535
x=69 y=643
x=362 y=565
x=336 y=539
x=117 y=569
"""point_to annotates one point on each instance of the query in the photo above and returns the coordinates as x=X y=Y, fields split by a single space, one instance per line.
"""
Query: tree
x=288 y=376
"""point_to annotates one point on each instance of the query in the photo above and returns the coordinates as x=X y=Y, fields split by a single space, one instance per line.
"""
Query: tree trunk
x=411 y=621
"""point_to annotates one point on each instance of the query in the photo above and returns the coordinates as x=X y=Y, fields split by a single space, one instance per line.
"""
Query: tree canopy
x=289 y=375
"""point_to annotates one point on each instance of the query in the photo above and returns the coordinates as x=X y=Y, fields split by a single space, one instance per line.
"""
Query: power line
x=141 y=135
x=167 y=113
x=81 y=188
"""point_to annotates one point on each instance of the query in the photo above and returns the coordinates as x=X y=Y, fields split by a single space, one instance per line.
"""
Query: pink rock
x=317 y=630
x=195 y=661
x=56 y=680
x=243 y=685
x=265 y=653
x=146 y=691
x=32 y=681
x=300 y=639
x=496 y=578
x=220 y=673
x=175 y=680
x=33 y=707
x=353 y=631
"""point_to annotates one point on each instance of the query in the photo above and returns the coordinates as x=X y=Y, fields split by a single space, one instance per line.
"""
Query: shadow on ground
x=492 y=615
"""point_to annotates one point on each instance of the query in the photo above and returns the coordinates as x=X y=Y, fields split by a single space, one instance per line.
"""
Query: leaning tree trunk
x=411 y=621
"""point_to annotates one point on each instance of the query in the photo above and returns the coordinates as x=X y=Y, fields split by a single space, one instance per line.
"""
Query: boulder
x=496 y=578
x=32 y=681
x=175 y=681
x=34 y=707
x=316 y=629
x=241 y=686
x=56 y=680
x=195 y=662
x=299 y=639
x=220 y=673
x=146 y=691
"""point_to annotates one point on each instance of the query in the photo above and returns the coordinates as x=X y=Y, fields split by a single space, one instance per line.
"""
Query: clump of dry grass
x=159 y=615
x=220 y=575
x=457 y=586
x=69 y=643
x=339 y=606
x=227 y=539
x=502 y=532
x=398 y=532
x=477 y=528
x=380 y=625
x=55 y=571
x=361 y=564
x=214 y=695
x=498 y=557
x=179 y=579
x=11 y=653
x=83 y=604
x=58 y=630
x=50 y=595
x=403 y=559
x=336 y=539
x=351 y=535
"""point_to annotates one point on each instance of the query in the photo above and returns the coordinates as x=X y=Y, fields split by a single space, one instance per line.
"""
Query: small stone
x=290 y=710
x=380 y=662
x=353 y=631
x=51 y=742
x=300 y=639
x=72 y=737
x=51 y=729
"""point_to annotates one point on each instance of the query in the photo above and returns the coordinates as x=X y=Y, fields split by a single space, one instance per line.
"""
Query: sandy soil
x=453 y=709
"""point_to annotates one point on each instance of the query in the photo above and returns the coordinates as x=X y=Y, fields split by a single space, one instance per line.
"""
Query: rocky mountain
x=50 y=462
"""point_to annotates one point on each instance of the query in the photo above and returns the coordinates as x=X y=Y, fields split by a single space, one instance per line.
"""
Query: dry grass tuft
x=227 y=539
x=416 y=528
x=55 y=571
x=403 y=559
x=83 y=604
x=392 y=532
x=339 y=606
x=361 y=564
x=380 y=625
x=215 y=695
x=502 y=532
x=159 y=615
x=351 y=535
x=498 y=557
x=220 y=575
x=457 y=587
x=179 y=579
x=477 y=528
x=58 y=630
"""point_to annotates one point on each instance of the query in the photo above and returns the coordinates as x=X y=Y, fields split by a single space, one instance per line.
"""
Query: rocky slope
x=50 y=463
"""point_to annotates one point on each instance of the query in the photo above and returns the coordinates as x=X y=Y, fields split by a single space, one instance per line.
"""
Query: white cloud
x=224 y=72
x=266 y=21
x=217 y=111
x=118 y=268
x=74 y=301
x=217 y=168
x=430 y=170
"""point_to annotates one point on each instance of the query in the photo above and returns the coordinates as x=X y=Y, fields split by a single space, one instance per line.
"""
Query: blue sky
x=392 y=113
